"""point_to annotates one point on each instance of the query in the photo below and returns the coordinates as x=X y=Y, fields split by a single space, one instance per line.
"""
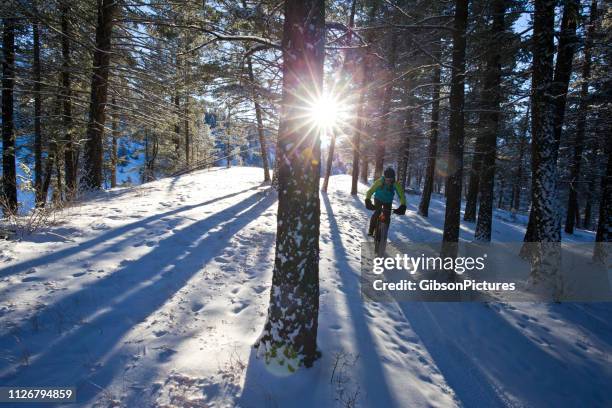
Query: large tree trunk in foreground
x=492 y=103
x=562 y=74
x=9 y=168
x=456 y=132
x=432 y=149
x=92 y=179
x=572 y=203
x=291 y=326
x=546 y=260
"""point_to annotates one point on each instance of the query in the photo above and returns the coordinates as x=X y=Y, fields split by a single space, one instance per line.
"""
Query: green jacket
x=386 y=193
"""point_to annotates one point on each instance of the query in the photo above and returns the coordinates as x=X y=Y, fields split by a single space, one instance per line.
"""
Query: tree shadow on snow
x=139 y=288
x=107 y=236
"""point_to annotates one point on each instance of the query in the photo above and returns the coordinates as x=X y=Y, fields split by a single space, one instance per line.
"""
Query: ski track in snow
x=158 y=292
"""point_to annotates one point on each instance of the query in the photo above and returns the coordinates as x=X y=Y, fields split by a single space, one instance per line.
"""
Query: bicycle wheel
x=383 y=230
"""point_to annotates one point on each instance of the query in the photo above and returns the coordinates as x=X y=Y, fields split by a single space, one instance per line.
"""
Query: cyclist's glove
x=401 y=210
x=369 y=204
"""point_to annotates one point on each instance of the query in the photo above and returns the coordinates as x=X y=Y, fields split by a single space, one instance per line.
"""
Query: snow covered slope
x=153 y=296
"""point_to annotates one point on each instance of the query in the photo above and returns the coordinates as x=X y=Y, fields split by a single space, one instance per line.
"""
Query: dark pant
x=378 y=207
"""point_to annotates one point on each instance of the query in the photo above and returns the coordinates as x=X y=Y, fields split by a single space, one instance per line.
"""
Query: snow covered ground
x=153 y=296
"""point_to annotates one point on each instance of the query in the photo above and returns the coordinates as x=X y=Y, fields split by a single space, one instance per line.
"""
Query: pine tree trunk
x=357 y=137
x=546 y=260
x=604 y=225
x=187 y=134
x=491 y=96
x=518 y=179
x=177 y=125
x=382 y=135
x=292 y=322
x=563 y=70
x=9 y=168
x=456 y=132
x=432 y=149
x=366 y=78
x=114 y=137
x=70 y=155
x=330 y=161
x=583 y=107
x=38 y=176
x=474 y=181
x=260 y=129
x=404 y=158
x=92 y=178
x=364 y=169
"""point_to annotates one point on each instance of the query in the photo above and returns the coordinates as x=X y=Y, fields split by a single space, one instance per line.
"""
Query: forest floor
x=154 y=295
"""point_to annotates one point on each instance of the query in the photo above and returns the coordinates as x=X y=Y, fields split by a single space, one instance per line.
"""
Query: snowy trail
x=165 y=289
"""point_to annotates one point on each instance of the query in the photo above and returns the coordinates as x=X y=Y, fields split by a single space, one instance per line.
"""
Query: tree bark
x=330 y=161
x=604 y=225
x=474 y=180
x=563 y=70
x=432 y=149
x=583 y=107
x=456 y=132
x=364 y=169
x=38 y=176
x=260 y=129
x=382 y=135
x=70 y=151
x=92 y=178
x=9 y=167
x=491 y=95
x=547 y=230
x=291 y=325
x=518 y=178
x=114 y=137
x=364 y=75
x=177 y=126
x=402 y=167
x=187 y=133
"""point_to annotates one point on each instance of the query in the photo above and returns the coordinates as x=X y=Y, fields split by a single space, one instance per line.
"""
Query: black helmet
x=389 y=173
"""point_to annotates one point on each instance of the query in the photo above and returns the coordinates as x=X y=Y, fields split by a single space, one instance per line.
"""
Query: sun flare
x=328 y=115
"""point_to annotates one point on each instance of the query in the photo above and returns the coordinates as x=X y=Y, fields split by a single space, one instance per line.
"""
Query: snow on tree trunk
x=432 y=149
x=492 y=104
x=563 y=70
x=546 y=259
x=92 y=179
x=290 y=331
x=456 y=132
x=572 y=203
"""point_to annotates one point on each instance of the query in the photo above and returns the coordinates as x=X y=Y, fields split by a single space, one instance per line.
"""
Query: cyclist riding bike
x=384 y=190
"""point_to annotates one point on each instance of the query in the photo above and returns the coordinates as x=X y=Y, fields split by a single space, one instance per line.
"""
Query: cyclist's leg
x=374 y=218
